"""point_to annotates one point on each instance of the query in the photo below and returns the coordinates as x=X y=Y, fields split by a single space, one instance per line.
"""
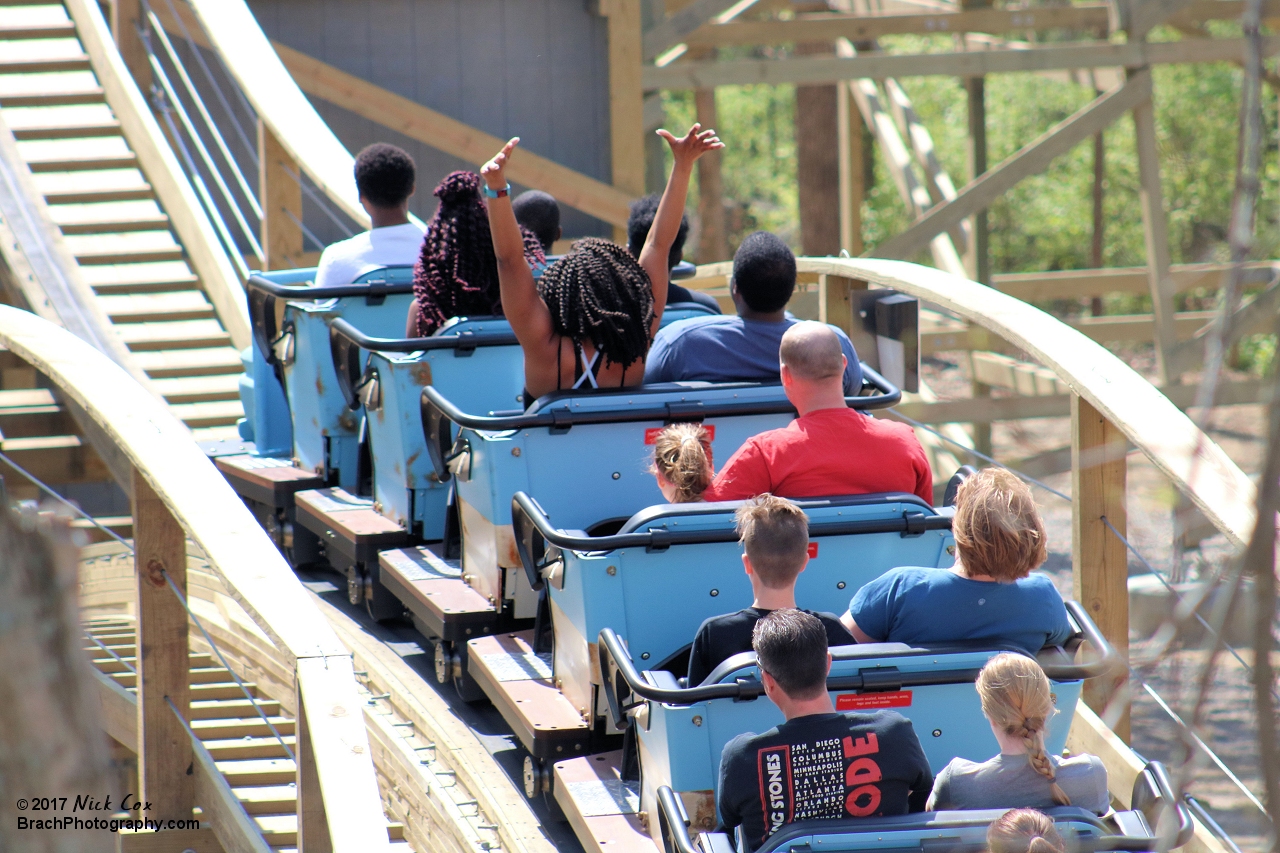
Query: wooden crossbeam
x=672 y=30
x=1030 y=160
x=1255 y=315
x=690 y=75
x=857 y=28
x=451 y=136
x=1079 y=284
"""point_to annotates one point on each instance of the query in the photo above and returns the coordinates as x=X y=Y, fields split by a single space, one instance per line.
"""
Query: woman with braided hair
x=456 y=274
x=589 y=320
x=1024 y=831
x=1018 y=702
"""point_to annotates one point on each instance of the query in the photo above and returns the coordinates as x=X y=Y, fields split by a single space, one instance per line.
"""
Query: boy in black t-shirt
x=775 y=541
x=819 y=764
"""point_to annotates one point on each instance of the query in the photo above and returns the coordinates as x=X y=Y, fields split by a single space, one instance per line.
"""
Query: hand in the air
x=491 y=172
x=692 y=145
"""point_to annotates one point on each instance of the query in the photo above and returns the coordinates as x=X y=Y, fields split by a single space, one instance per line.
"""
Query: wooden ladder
x=110 y=218
x=253 y=761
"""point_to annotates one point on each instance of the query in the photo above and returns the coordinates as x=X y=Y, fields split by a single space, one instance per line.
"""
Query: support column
x=164 y=748
x=126 y=20
x=852 y=170
x=626 y=98
x=1155 y=231
x=1099 y=212
x=818 y=163
x=279 y=192
x=713 y=244
x=1099 y=562
x=979 y=254
x=313 y=822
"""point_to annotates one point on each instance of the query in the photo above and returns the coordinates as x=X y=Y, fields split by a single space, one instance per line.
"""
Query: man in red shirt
x=829 y=449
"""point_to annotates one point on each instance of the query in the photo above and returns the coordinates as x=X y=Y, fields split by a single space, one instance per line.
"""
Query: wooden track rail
x=179 y=495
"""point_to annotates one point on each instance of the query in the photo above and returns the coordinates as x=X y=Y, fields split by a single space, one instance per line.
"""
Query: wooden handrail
x=170 y=467
x=1195 y=464
x=279 y=102
x=194 y=230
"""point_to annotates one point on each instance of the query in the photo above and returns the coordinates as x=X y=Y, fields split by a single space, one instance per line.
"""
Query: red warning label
x=813 y=550
x=870 y=701
x=651 y=434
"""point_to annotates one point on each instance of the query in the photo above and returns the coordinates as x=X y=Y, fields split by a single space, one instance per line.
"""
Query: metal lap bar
x=661 y=538
x=464 y=340
x=307 y=293
x=889 y=396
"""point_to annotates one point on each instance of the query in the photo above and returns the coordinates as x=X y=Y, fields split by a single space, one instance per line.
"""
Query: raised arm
x=524 y=308
x=666 y=222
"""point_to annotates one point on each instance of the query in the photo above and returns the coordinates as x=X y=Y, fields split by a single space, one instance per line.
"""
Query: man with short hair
x=643 y=210
x=744 y=347
x=820 y=764
x=540 y=213
x=775 y=539
x=829 y=449
x=385 y=178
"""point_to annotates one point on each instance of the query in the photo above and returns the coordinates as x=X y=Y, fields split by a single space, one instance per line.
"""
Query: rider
x=456 y=274
x=385 y=177
x=829 y=449
x=589 y=321
x=819 y=764
x=775 y=544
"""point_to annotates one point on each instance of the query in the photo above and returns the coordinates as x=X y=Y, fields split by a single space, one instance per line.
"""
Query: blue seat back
x=483 y=379
x=325 y=429
x=593 y=472
x=947 y=718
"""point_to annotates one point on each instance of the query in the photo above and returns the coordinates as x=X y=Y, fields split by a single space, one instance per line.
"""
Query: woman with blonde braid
x=1017 y=702
x=1024 y=831
x=682 y=462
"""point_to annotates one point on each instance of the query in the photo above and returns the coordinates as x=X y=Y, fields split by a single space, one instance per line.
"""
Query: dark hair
x=540 y=213
x=764 y=272
x=643 y=210
x=791 y=646
x=385 y=174
x=457 y=273
x=600 y=293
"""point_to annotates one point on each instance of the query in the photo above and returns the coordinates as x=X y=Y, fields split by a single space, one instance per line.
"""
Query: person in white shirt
x=385 y=177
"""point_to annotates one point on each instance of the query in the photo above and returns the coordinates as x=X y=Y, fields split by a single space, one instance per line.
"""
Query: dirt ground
x=1229 y=723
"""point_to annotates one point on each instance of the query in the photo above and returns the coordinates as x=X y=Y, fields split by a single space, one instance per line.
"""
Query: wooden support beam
x=164 y=754
x=1082 y=284
x=453 y=137
x=1255 y=315
x=1099 y=561
x=852 y=164
x=313 y=823
x=127 y=19
x=1155 y=230
x=670 y=31
x=818 y=163
x=626 y=100
x=187 y=840
x=1093 y=17
x=689 y=75
x=713 y=243
x=939 y=184
x=1146 y=15
x=340 y=757
x=1032 y=159
x=281 y=196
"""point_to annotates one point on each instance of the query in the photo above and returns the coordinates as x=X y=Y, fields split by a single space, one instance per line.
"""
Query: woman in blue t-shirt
x=990 y=592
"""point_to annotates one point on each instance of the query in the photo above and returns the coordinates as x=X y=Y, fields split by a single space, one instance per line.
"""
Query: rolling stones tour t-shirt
x=822 y=767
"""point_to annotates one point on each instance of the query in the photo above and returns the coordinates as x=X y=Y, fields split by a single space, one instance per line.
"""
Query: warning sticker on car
x=870 y=701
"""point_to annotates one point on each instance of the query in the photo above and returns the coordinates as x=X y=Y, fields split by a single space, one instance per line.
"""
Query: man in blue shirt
x=743 y=348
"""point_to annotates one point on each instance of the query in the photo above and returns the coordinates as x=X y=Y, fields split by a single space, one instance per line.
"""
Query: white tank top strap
x=588 y=370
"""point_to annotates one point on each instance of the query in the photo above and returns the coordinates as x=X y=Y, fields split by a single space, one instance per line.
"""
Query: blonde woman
x=1018 y=703
x=682 y=462
x=991 y=593
x=1024 y=831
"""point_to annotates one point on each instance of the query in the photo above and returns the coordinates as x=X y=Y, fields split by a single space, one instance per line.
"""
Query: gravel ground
x=1229 y=723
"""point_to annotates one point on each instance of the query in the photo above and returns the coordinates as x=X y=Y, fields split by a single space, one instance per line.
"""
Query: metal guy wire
x=77 y=510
